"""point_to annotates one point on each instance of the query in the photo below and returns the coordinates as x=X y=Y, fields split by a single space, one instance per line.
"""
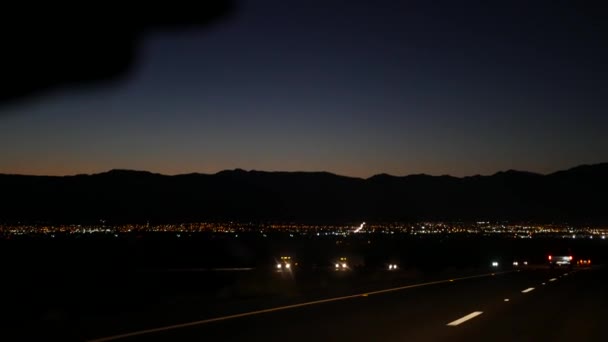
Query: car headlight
x=279 y=265
x=287 y=265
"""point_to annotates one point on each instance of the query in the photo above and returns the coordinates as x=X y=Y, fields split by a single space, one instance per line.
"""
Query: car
x=341 y=264
x=285 y=263
x=520 y=263
x=560 y=261
x=583 y=262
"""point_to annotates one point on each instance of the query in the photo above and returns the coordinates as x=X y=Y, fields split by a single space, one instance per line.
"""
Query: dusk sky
x=350 y=87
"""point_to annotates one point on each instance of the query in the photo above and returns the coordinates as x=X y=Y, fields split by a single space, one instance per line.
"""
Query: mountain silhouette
x=121 y=196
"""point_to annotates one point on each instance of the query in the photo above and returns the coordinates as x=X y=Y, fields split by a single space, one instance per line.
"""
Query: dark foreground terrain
x=83 y=288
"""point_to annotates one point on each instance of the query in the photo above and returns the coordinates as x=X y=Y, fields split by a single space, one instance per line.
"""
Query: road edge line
x=281 y=308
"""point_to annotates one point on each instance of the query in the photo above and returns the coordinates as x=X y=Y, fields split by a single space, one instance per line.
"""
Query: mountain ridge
x=603 y=165
x=575 y=194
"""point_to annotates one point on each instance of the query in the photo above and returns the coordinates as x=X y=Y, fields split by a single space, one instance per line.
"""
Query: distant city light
x=293 y=230
x=359 y=228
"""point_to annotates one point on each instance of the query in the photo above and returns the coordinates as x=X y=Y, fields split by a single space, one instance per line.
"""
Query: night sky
x=350 y=87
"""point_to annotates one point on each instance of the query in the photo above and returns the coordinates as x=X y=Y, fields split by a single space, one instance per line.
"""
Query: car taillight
x=570 y=257
x=549 y=257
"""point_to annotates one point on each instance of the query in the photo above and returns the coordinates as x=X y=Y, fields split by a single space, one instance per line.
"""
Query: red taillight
x=549 y=257
x=570 y=257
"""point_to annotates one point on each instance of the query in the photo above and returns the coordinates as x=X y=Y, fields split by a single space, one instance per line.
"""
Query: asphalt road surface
x=529 y=305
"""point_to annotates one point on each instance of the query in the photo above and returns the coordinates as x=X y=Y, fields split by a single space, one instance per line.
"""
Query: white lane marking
x=506 y=299
x=528 y=290
x=280 y=308
x=553 y=279
x=465 y=318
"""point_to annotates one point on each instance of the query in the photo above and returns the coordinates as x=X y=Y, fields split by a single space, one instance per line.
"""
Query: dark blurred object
x=46 y=46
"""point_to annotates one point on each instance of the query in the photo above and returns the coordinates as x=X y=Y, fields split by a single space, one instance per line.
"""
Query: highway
x=529 y=305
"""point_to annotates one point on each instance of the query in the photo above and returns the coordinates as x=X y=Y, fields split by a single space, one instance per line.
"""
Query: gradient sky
x=351 y=87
